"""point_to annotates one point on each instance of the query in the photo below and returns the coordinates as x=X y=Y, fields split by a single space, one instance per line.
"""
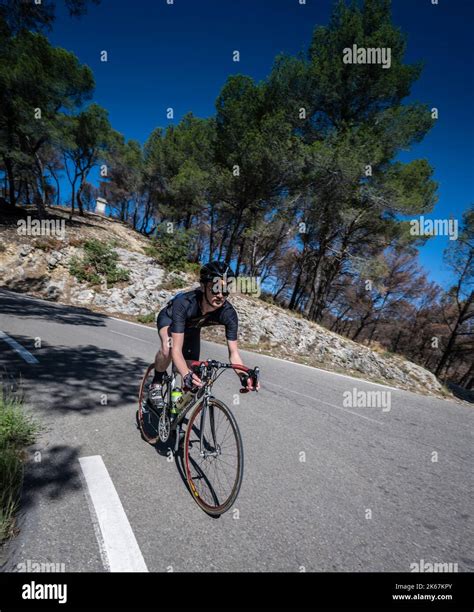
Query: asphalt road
x=378 y=490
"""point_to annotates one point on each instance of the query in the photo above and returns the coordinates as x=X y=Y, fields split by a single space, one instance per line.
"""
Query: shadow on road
x=84 y=379
x=467 y=395
x=70 y=315
x=50 y=473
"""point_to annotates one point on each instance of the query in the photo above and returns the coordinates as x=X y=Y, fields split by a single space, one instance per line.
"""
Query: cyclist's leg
x=163 y=356
x=192 y=346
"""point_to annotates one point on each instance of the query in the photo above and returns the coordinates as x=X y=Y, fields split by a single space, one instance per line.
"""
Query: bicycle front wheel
x=214 y=470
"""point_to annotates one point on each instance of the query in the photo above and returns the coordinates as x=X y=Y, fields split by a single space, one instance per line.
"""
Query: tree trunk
x=80 y=204
x=187 y=222
x=73 y=197
x=146 y=216
x=453 y=336
x=11 y=182
x=241 y=252
x=233 y=237
x=211 y=234
x=223 y=239
x=468 y=378
x=296 y=289
x=341 y=316
x=58 y=188
x=397 y=340
x=361 y=326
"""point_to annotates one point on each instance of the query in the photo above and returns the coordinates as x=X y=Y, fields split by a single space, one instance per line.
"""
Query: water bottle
x=176 y=395
x=182 y=402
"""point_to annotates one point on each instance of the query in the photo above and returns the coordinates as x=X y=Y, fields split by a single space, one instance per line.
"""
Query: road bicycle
x=205 y=430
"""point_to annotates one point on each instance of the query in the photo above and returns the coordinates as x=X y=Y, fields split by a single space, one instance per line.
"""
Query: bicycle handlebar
x=217 y=365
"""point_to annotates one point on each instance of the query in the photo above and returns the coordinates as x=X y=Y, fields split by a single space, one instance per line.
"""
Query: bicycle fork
x=202 y=444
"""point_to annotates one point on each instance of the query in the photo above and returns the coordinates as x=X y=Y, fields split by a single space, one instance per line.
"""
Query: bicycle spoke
x=215 y=476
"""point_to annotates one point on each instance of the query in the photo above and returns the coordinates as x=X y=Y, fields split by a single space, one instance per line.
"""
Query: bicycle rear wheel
x=147 y=419
x=215 y=476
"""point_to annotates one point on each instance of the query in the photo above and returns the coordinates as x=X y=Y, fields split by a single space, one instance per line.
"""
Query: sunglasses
x=216 y=291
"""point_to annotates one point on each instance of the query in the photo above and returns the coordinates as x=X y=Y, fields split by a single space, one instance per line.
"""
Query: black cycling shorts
x=192 y=337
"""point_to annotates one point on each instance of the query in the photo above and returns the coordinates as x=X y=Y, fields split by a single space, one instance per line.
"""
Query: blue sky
x=180 y=56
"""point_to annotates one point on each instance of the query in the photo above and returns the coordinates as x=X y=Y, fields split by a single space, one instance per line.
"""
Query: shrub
x=174 y=282
x=267 y=297
x=17 y=430
x=77 y=242
x=49 y=244
x=99 y=262
x=147 y=318
x=192 y=268
x=171 y=250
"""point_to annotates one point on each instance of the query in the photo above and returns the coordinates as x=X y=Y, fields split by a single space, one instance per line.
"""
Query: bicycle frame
x=203 y=395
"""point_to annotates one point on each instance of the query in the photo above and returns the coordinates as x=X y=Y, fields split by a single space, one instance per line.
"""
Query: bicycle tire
x=141 y=422
x=226 y=504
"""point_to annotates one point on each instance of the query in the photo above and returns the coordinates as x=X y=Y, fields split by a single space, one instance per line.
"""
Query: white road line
x=132 y=337
x=131 y=322
x=118 y=546
x=327 y=403
x=27 y=356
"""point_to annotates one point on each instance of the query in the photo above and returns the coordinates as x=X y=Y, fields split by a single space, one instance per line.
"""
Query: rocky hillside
x=40 y=267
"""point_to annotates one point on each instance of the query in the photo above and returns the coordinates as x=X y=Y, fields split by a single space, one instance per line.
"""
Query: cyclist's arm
x=236 y=359
x=177 y=341
x=234 y=355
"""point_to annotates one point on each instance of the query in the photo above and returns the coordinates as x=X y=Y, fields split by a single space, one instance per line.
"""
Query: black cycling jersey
x=183 y=314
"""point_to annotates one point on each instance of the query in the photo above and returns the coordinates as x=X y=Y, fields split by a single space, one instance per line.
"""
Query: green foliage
x=35 y=75
x=349 y=92
x=17 y=430
x=147 y=318
x=83 y=272
x=252 y=134
x=192 y=268
x=410 y=186
x=99 y=262
x=126 y=171
x=171 y=250
x=173 y=282
x=179 y=165
x=84 y=140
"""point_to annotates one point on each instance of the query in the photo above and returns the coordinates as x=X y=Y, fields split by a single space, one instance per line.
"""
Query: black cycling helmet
x=215 y=269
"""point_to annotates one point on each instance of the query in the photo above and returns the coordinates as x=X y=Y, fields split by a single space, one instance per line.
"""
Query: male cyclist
x=180 y=321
